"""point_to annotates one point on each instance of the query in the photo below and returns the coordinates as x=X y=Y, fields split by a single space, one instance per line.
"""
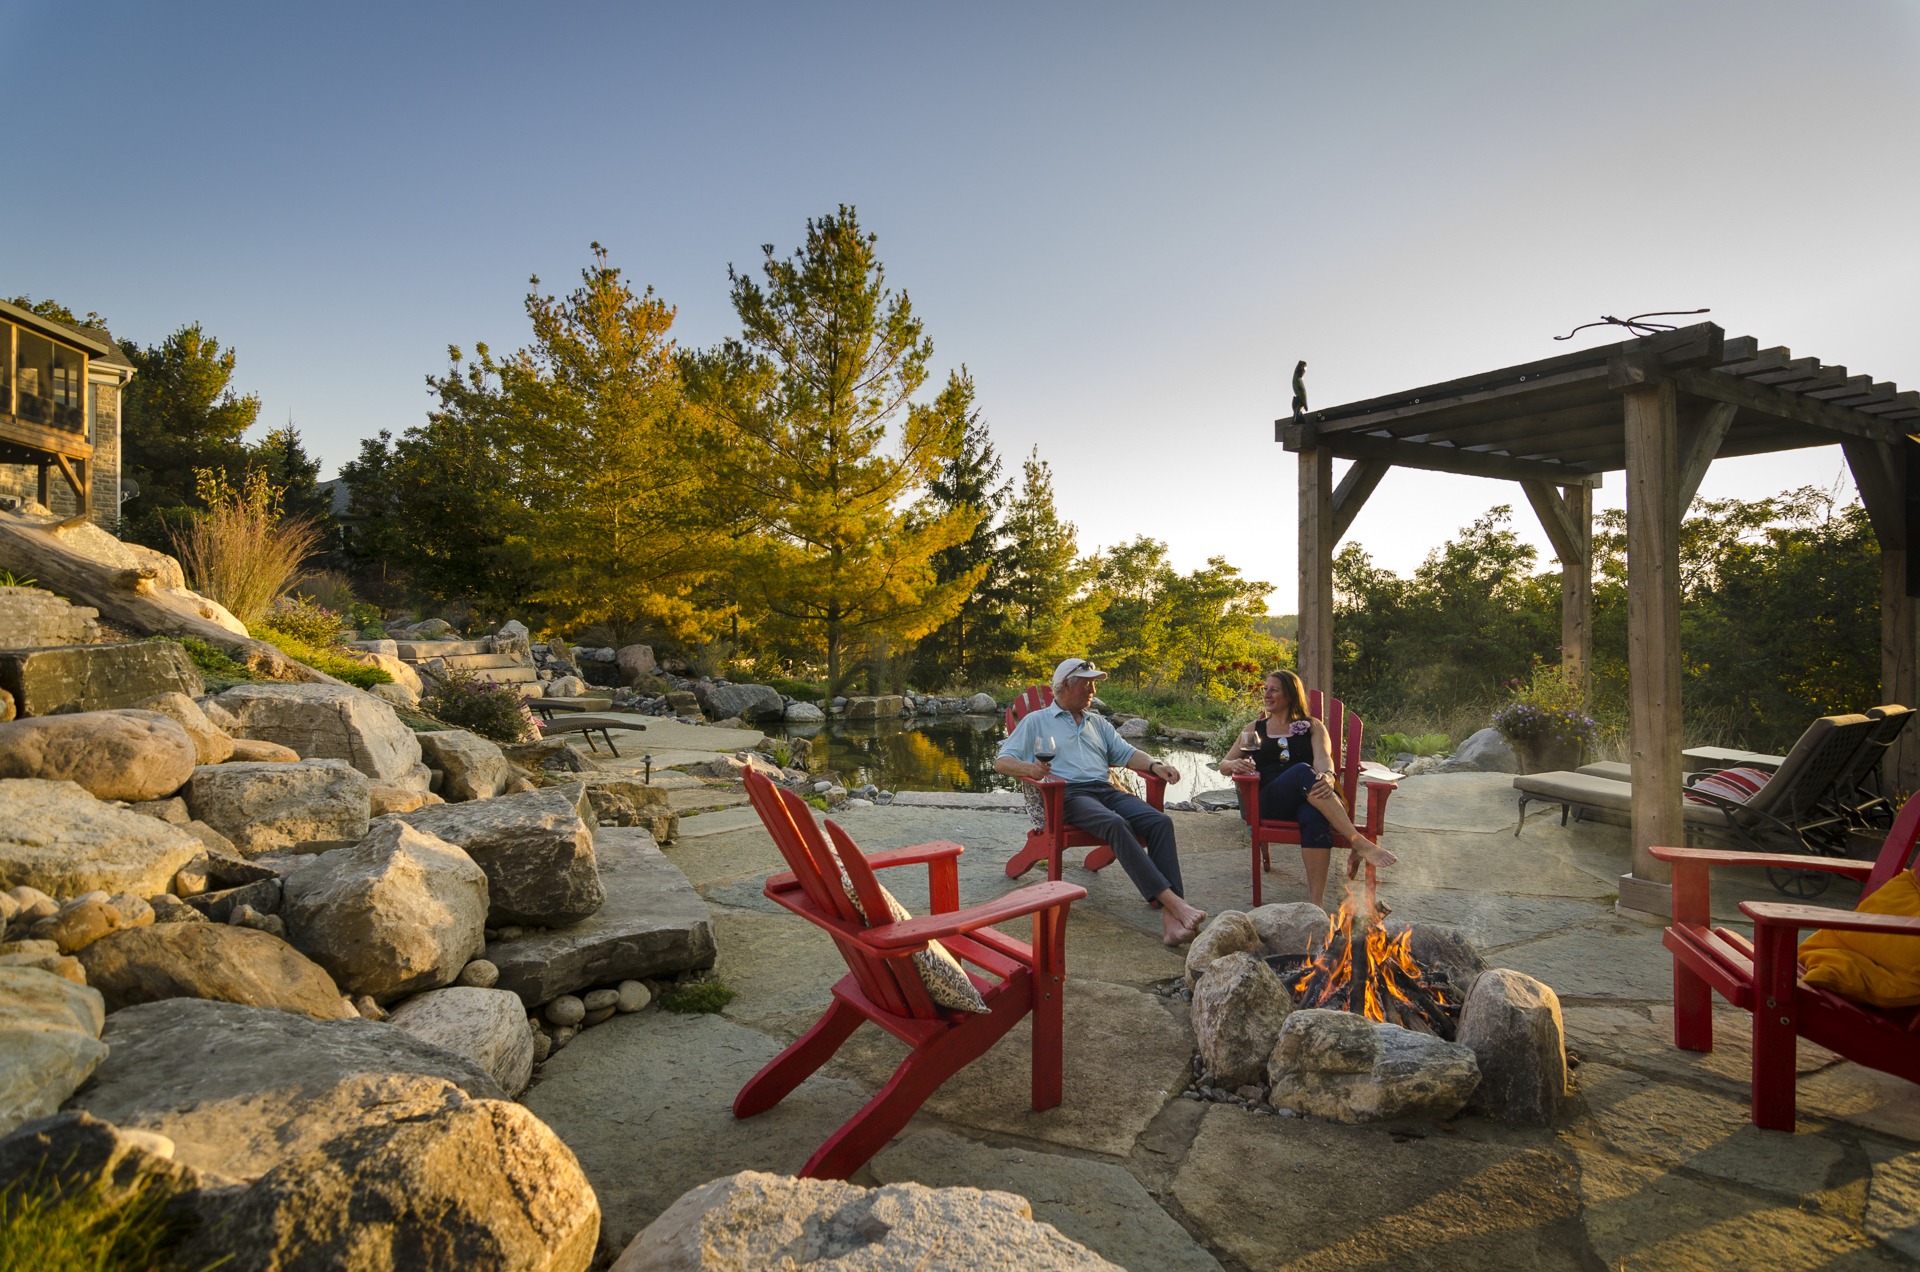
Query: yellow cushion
x=1870 y=967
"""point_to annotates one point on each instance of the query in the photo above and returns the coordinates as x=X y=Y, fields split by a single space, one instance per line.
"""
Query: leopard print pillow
x=948 y=984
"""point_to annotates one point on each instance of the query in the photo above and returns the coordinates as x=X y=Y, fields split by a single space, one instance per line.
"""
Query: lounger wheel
x=1804 y=884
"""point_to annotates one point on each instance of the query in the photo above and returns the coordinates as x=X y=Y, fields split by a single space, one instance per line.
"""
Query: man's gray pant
x=1124 y=823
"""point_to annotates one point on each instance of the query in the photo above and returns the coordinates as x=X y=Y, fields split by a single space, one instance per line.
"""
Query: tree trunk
x=129 y=599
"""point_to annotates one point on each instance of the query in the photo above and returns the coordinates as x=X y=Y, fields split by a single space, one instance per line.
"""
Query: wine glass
x=1044 y=749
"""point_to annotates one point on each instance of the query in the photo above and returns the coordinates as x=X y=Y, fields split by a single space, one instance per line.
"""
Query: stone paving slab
x=646 y=1103
x=1300 y=1194
x=699 y=798
x=1479 y=802
x=1095 y=1203
x=727 y=819
x=1604 y=957
x=667 y=734
x=985 y=801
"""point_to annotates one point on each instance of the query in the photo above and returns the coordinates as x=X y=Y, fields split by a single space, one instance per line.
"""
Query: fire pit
x=1353 y=1017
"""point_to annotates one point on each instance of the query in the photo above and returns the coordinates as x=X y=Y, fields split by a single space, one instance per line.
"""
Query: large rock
x=126 y=755
x=487 y=1026
x=1239 y=1006
x=241 y=1089
x=634 y=662
x=73 y=1152
x=96 y=677
x=59 y=839
x=536 y=848
x=49 y=1042
x=474 y=767
x=397 y=913
x=1290 y=927
x=1229 y=932
x=982 y=704
x=1336 y=1065
x=211 y=745
x=757 y=1220
x=749 y=702
x=266 y=807
x=327 y=722
x=883 y=706
x=1512 y=1023
x=804 y=713
x=472 y=1184
x=1486 y=752
x=653 y=924
x=209 y=960
x=1443 y=949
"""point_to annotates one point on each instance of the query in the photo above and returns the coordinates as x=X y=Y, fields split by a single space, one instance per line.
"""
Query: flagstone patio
x=1656 y=1165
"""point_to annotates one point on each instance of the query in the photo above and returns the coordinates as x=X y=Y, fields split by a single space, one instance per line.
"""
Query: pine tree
x=972 y=646
x=283 y=459
x=1051 y=611
x=801 y=408
x=180 y=414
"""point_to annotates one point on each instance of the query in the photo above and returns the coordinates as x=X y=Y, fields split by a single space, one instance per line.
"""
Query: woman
x=1293 y=754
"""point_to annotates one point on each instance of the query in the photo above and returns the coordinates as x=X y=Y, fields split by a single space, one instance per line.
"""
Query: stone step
x=478 y=662
x=421 y=650
x=506 y=675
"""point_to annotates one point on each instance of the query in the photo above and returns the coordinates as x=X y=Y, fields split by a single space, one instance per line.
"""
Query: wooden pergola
x=1660 y=409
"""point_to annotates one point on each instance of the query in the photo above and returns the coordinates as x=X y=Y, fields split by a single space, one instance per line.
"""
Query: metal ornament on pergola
x=1660 y=409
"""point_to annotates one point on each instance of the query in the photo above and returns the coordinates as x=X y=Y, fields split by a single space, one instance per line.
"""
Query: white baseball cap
x=1075 y=669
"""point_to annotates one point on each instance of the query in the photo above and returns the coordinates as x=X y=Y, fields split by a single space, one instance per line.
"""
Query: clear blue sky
x=1128 y=219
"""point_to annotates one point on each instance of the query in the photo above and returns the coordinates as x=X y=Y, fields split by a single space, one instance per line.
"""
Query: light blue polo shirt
x=1084 y=752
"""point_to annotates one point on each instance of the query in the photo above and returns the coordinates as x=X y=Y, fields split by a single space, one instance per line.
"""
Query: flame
x=1326 y=979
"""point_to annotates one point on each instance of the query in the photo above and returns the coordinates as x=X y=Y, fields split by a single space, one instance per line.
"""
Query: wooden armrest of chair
x=936 y=850
x=1786 y=914
x=915 y=933
x=943 y=870
x=1704 y=857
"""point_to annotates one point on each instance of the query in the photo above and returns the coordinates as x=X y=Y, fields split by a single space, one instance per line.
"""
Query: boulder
x=211 y=745
x=1512 y=1023
x=804 y=712
x=7 y=708
x=565 y=687
x=514 y=629
x=265 y=807
x=652 y=924
x=1290 y=927
x=877 y=707
x=59 y=839
x=475 y=768
x=172 y=810
x=1336 y=1065
x=1229 y=932
x=49 y=1042
x=125 y=755
x=635 y=661
x=96 y=677
x=982 y=704
x=248 y=751
x=749 y=702
x=432 y=629
x=487 y=1026
x=536 y=848
x=470 y=1184
x=383 y=799
x=1239 y=1006
x=397 y=913
x=684 y=702
x=241 y=1089
x=327 y=722
x=209 y=960
x=389 y=661
x=395 y=695
x=76 y=1153
x=757 y=1220
x=1136 y=728
x=79 y=924
x=1485 y=752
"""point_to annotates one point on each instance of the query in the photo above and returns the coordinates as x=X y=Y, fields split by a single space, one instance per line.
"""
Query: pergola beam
x=1351 y=495
x=1698 y=446
x=1782 y=404
x=1444 y=459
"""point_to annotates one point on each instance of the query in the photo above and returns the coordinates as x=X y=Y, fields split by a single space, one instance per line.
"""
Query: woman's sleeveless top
x=1277 y=754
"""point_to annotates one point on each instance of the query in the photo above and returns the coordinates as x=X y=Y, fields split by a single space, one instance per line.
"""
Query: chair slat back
x=905 y=981
x=1344 y=730
x=818 y=878
x=1033 y=699
x=1808 y=772
x=1898 y=852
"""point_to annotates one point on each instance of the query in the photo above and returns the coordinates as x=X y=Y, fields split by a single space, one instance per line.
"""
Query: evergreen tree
x=180 y=414
x=282 y=458
x=1051 y=611
x=802 y=407
x=971 y=647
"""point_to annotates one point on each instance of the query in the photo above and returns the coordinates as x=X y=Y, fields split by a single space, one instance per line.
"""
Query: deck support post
x=1653 y=637
x=1566 y=514
x=1314 y=656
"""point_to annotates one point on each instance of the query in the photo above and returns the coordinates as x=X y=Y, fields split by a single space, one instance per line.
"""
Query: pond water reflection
x=948 y=753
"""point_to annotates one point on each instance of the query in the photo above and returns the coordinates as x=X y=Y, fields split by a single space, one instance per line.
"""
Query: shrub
x=361 y=615
x=1389 y=745
x=305 y=620
x=798 y=689
x=494 y=711
x=328 y=588
x=1547 y=703
x=85 y=1230
x=696 y=996
x=240 y=551
x=214 y=663
x=325 y=658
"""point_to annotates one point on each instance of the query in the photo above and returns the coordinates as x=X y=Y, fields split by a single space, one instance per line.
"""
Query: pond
x=952 y=753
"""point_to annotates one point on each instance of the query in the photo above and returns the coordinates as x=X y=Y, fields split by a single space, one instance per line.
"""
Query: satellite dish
x=129 y=489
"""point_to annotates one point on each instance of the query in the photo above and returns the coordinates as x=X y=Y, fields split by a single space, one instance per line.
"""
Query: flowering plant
x=1545 y=704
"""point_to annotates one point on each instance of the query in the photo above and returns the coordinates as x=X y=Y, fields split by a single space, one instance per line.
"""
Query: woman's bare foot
x=1364 y=849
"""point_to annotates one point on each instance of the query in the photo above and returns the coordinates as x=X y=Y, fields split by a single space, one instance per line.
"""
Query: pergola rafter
x=1659 y=409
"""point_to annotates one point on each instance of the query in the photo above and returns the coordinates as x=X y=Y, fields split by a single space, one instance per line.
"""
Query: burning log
x=1362 y=969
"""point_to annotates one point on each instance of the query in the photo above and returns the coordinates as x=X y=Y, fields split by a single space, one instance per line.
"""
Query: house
x=60 y=390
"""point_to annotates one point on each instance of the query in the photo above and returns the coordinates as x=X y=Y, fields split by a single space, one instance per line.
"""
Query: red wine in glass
x=1044 y=750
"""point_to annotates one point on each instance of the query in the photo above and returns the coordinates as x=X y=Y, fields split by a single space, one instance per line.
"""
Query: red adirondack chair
x=882 y=985
x=1341 y=723
x=1762 y=976
x=1050 y=843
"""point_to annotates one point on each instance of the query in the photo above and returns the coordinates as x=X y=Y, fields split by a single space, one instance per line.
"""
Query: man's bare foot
x=1178 y=929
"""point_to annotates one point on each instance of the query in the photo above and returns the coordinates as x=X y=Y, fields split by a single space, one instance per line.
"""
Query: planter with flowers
x=1546 y=721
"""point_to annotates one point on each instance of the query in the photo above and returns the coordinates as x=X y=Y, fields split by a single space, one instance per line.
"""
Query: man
x=1084 y=746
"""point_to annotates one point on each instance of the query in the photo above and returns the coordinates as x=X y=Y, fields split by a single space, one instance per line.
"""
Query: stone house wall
x=22 y=481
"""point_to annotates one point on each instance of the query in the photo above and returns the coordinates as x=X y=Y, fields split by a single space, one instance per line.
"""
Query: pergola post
x=1314 y=656
x=1566 y=514
x=1886 y=476
x=1653 y=637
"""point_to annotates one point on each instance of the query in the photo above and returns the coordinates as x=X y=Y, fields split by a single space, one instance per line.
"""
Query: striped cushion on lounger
x=1736 y=784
